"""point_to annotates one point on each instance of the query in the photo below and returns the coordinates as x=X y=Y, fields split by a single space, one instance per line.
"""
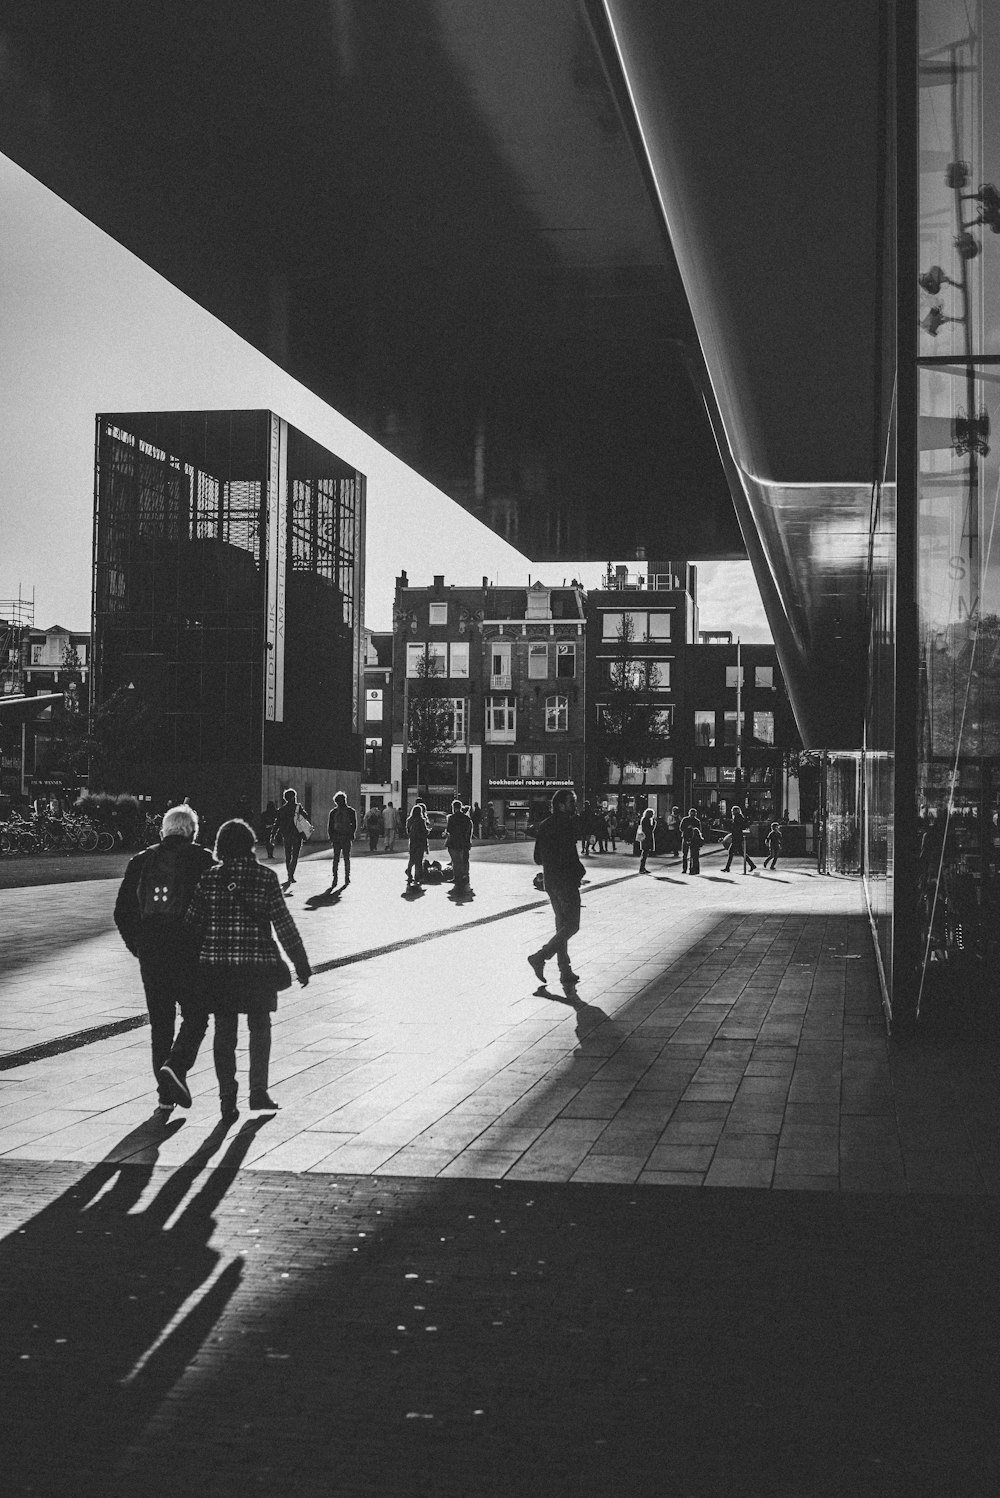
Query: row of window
x=452 y=659
x=533 y=766
x=706 y=732
x=638 y=626
x=763 y=676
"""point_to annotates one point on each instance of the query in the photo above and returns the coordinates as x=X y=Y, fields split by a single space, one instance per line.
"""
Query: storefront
x=520 y=803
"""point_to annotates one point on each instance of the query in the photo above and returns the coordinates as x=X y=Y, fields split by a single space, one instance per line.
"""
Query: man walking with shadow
x=555 y=850
x=149 y=911
x=342 y=828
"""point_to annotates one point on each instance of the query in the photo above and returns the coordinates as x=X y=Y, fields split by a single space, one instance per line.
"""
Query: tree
x=430 y=716
x=631 y=729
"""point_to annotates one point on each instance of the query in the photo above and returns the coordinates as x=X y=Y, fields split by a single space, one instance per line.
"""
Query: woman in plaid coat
x=232 y=911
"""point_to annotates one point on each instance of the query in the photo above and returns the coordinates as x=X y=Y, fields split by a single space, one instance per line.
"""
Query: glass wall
x=956 y=809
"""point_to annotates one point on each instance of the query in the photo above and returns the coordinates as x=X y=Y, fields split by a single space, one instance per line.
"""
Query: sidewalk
x=464 y=1260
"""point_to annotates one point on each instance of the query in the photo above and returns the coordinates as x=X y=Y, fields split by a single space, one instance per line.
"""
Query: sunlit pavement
x=462 y=1259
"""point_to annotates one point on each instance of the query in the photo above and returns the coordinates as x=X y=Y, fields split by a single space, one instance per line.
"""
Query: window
x=513 y=765
x=763 y=728
x=538 y=662
x=659 y=676
x=734 y=676
x=665 y=719
x=727 y=774
x=729 y=730
x=81 y=651
x=459 y=659
x=501 y=720
x=500 y=667
x=704 y=729
x=551 y=770
x=36 y=654
x=414 y=655
x=457 y=708
x=373 y=704
x=565 y=660
x=763 y=676
x=710 y=774
x=438 y=613
x=659 y=627
x=556 y=714
x=437 y=658
x=661 y=772
x=611 y=625
x=373 y=754
x=532 y=766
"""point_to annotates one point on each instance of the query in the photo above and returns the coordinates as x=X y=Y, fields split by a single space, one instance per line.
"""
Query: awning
x=23 y=709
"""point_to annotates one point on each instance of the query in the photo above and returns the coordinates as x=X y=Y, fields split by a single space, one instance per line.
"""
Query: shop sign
x=531 y=785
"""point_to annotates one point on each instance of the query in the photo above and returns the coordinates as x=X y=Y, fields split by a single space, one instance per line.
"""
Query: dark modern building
x=228 y=565
x=704 y=280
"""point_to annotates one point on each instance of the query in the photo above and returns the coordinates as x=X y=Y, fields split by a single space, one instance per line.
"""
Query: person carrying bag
x=232 y=913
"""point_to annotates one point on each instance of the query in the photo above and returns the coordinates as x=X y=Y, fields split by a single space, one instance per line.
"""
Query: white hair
x=180 y=821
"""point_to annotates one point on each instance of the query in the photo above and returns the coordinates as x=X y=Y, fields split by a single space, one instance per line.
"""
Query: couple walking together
x=201 y=927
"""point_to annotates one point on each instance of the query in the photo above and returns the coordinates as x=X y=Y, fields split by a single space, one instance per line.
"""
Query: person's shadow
x=107 y=1302
x=413 y=892
x=461 y=894
x=322 y=901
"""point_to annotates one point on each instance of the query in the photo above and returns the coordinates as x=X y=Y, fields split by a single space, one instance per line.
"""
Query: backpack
x=341 y=821
x=162 y=894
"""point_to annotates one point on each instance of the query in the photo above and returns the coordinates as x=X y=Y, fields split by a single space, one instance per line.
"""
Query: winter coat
x=555 y=850
x=232 y=912
x=162 y=948
x=459 y=829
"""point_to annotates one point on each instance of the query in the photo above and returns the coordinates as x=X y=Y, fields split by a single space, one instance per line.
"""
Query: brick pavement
x=462 y=1258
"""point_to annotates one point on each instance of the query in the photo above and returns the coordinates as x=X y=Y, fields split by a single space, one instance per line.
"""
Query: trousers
x=565 y=901
x=224 y=1048
x=164 y=996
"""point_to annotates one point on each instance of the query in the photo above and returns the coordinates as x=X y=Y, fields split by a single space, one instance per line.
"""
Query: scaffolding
x=17 y=617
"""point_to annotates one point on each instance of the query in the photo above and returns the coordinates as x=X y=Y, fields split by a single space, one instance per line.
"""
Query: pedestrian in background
x=373 y=827
x=342 y=829
x=286 y=823
x=389 y=828
x=458 y=841
x=647 y=828
x=738 y=840
x=418 y=832
x=268 y=817
x=694 y=836
x=477 y=819
x=562 y=870
x=611 y=818
x=232 y=912
x=149 y=912
x=773 y=845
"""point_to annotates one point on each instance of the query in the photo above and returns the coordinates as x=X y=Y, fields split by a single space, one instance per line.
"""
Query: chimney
x=402 y=581
x=486 y=582
x=439 y=582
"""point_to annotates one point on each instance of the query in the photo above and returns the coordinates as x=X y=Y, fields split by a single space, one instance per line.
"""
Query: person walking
x=286 y=823
x=601 y=829
x=231 y=914
x=738 y=840
x=342 y=829
x=674 y=838
x=389 y=828
x=587 y=828
x=373 y=827
x=694 y=838
x=773 y=845
x=647 y=828
x=418 y=832
x=611 y=819
x=562 y=870
x=149 y=911
x=458 y=841
x=268 y=818
x=686 y=824
x=476 y=814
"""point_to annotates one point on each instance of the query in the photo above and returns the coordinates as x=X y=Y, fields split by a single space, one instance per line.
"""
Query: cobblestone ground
x=463 y=1257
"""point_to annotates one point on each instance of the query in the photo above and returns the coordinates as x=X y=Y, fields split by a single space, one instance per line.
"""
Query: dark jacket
x=285 y=821
x=555 y=849
x=161 y=947
x=351 y=831
x=417 y=828
x=459 y=829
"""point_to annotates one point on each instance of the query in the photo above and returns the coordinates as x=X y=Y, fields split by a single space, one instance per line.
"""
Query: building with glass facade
x=228 y=566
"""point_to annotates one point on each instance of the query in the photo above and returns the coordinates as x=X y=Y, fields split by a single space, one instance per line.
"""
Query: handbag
x=727 y=841
x=303 y=825
x=539 y=879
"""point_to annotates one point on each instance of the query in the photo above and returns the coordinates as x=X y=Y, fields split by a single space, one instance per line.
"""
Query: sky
x=85 y=327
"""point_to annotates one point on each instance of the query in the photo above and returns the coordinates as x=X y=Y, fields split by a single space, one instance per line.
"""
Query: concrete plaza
x=460 y=1259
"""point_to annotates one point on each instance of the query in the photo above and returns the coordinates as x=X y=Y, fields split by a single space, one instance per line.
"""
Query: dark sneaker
x=163 y=1111
x=263 y=1100
x=537 y=964
x=568 y=976
x=174 y=1086
x=228 y=1109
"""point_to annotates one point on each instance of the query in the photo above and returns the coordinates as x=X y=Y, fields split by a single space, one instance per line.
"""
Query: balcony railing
x=501 y=683
x=640 y=582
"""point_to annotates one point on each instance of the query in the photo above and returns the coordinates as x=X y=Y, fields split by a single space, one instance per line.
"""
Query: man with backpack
x=153 y=897
x=342 y=829
x=459 y=842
